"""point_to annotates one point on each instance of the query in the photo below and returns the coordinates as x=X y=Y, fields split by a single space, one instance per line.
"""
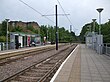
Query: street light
x=100 y=40
x=7 y=34
x=93 y=35
x=93 y=24
x=99 y=10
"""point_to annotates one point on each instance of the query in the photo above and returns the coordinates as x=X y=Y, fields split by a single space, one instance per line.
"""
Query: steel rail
x=9 y=78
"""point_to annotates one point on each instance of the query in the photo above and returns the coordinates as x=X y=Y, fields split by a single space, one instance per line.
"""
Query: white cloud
x=81 y=11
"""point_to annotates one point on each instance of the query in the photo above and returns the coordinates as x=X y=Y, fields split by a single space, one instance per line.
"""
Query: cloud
x=81 y=11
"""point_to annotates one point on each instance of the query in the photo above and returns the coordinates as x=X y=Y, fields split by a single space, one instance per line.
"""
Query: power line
x=57 y=14
x=65 y=13
x=35 y=10
x=51 y=9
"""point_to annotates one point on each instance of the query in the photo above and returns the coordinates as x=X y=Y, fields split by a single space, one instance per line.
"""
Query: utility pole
x=70 y=28
x=93 y=24
x=56 y=15
x=7 y=35
x=47 y=36
x=56 y=28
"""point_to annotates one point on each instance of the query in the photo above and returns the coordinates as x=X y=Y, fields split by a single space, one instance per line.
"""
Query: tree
x=3 y=28
x=3 y=31
x=45 y=31
x=63 y=35
x=105 y=28
x=105 y=31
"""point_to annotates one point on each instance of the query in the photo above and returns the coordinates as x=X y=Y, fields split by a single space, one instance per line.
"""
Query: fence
x=106 y=49
x=2 y=46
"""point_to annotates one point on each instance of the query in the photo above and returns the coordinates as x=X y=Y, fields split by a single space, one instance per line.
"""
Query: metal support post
x=100 y=38
x=56 y=30
x=106 y=48
x=7 y=35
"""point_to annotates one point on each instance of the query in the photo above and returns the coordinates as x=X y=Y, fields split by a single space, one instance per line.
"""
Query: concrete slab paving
x=84 y=65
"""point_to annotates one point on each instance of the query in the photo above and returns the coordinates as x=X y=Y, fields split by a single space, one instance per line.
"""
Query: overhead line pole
x=7 y=34
x=70 y=28
x=56 y=28
x=56 y=16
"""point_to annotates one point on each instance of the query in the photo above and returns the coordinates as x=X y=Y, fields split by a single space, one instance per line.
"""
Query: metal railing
x=106 y=49
x=2 y=46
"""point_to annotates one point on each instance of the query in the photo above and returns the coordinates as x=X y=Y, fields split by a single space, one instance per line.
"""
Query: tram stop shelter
x=18 y=39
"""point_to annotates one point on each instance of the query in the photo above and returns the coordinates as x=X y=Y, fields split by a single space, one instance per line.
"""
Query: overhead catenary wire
x=57 y=14
x=65 y=13
x=35 y=10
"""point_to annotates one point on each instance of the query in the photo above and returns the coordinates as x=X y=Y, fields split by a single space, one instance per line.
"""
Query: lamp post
x=93 y=36
x=93 y=24
x=99 y=10
x=100 y=40
x=7 y=35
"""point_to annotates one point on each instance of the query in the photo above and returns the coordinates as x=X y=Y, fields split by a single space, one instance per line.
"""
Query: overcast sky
x=81 y=11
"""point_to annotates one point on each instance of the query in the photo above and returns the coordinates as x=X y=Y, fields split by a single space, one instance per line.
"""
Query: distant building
x=34 y=24
x=24 y=24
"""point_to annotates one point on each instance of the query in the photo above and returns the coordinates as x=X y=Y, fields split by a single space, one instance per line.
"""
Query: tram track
x=22 y=52
x=14 y=56
x=43 y=70
x=22 y=55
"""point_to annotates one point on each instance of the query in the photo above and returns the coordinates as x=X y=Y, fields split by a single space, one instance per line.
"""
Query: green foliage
x=87 y=28
x=45 y=31
x=30 y=28
x=3 y=31
x=18 y=29
x=63 y=35
x=3 y=28
x=2 y=39
x=105 y=30
x=0 y=30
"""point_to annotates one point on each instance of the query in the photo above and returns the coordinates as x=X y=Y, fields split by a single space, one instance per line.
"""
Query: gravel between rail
x=15 y=67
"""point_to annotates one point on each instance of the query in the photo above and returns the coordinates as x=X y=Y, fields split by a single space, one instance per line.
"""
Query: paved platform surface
x=84 y=65
x=23 y=49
